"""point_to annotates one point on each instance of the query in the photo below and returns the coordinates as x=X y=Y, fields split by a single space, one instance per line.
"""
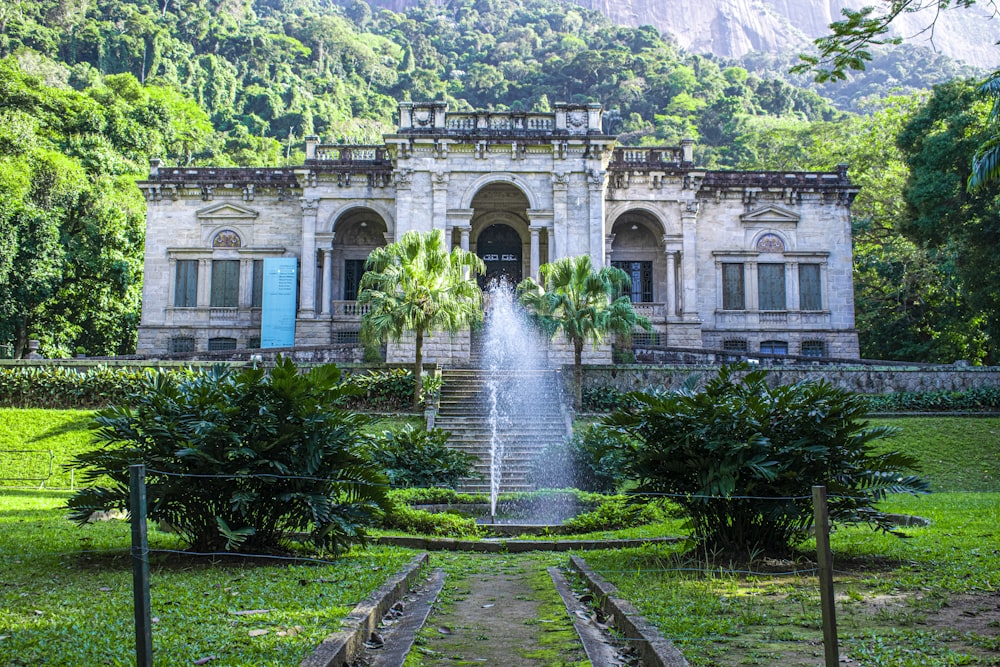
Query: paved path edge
x=654 y=649
x=514 y=546
x=341 y=647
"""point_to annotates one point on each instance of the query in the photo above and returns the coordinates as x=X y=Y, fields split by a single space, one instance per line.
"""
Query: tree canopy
x=415 y=286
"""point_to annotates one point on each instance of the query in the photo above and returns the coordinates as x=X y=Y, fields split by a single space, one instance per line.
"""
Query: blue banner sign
x=278 y=307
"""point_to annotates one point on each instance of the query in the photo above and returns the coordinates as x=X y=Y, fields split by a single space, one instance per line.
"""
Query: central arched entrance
x=500 y=231
x=500 y=249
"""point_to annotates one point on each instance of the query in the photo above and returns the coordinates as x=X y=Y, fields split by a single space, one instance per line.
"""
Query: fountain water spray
x=513 y=356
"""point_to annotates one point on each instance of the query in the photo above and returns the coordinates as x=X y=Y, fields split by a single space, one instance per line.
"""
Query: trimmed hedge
x=607 y=399
x=68 y=388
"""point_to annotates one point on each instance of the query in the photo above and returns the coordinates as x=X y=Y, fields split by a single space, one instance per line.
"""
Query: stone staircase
x=536 y=420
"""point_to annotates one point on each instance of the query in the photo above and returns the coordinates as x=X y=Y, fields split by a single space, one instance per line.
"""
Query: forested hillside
x=90 y=91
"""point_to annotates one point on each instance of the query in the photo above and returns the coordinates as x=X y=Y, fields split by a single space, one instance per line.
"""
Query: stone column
x=559 y=240
x=465 y=231
x=595 y=190
x=609 y=241
x=689 y=253
x=307 y=258
x=439 y=204
x=327 y=281
x=204 y=282
x=550 y=244
x=671 y=283
x=171 y=282
x=792 y=301
x=246 y=282
x=534 y=251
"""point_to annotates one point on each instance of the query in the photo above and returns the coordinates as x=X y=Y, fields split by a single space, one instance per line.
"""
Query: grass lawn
x=27 y=436
x=932 y=600
x=66 y=595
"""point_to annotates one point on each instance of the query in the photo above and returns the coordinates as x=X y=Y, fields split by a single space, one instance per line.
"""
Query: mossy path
x=498 y=611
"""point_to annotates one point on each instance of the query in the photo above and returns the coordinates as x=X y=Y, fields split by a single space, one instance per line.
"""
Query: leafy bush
x=417 y=457
x=445 y=524
x=436 y=496
x=68 y=387
x=239 y=461
x=618 y=512
x=603 y=399
x=590 y=461
x=741 y=458
x=977 y=398
x=383 y=391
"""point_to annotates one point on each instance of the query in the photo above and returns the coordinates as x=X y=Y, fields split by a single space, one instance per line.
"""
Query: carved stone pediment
x=770 y=216
x=223 y=212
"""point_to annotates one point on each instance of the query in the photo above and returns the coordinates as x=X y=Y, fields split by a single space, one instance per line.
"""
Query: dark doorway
x=499 y=246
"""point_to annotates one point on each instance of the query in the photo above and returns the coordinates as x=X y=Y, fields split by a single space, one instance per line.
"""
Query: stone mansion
x=746 y=262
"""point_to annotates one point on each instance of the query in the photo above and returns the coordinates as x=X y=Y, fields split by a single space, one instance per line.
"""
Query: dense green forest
x=90 y=91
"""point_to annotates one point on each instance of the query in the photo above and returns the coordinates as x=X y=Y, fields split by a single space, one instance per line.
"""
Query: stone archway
x=356 y=232
x=500 y=248
x=500 y=231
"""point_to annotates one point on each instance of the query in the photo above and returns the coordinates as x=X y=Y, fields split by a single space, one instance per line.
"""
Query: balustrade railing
x=350 y=308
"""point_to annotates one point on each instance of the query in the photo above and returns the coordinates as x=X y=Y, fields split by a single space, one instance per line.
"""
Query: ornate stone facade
x=742 y=261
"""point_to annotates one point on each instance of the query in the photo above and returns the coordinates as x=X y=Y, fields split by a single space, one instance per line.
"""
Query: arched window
x=227 y=238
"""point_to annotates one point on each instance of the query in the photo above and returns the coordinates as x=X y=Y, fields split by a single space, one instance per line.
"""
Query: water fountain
x=519 y=385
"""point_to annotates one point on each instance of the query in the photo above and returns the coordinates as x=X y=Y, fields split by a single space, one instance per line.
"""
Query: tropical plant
x=416 y=286
x=986 y=164
x=581 y=302
x=238 y=461
x=417 y=457
x=741 y=457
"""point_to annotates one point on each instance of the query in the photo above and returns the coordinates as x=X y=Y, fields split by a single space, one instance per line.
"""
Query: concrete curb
x=340 y=648
x=514 y=546
x=654 y=649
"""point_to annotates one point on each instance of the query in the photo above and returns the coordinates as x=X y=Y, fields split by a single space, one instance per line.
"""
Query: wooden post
x=825 y=559
x=140 y=566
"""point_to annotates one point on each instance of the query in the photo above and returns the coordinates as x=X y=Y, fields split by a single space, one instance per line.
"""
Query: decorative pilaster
x=559 y=241
x=689 y=251
x=307 y=258
x=327 y=282
x=246 y=283
x=204 y=282
x=595 y=188
x=439 y=186
x=534 y=251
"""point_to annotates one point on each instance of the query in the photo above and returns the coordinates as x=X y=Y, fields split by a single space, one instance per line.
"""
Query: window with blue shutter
x=186 y=284
x=809 y=287
x=771 y=286
x=732 y=287
x=225 y=283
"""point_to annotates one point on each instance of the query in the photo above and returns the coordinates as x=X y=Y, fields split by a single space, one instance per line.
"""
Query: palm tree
x=416 y=285
x=584 y=303
x=986 y=163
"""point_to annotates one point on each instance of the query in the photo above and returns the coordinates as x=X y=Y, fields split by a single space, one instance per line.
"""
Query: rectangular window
x=732 y=287
x=186 y=284
x=809 y=287
x=813 y=348
x=181 y=345
x=771 y=286
x=774 y=347
x=353 y=270
x=734 y=345
x=257 y=295
x=225 y=283
x=641 y=275
x=219 y=344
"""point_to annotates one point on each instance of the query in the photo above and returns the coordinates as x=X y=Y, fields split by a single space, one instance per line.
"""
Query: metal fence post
x=825 y=559
x=140 y=566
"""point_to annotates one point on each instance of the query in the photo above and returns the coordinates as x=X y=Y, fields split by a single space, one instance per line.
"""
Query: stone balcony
x=771 y=320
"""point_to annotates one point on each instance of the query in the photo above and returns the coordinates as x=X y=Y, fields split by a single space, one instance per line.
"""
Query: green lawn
x=66 y=594
x=27 y=436
x=956 y=453
x=925 y=601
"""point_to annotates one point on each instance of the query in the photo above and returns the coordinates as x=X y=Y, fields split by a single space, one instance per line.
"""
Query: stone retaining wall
x=863 y=379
